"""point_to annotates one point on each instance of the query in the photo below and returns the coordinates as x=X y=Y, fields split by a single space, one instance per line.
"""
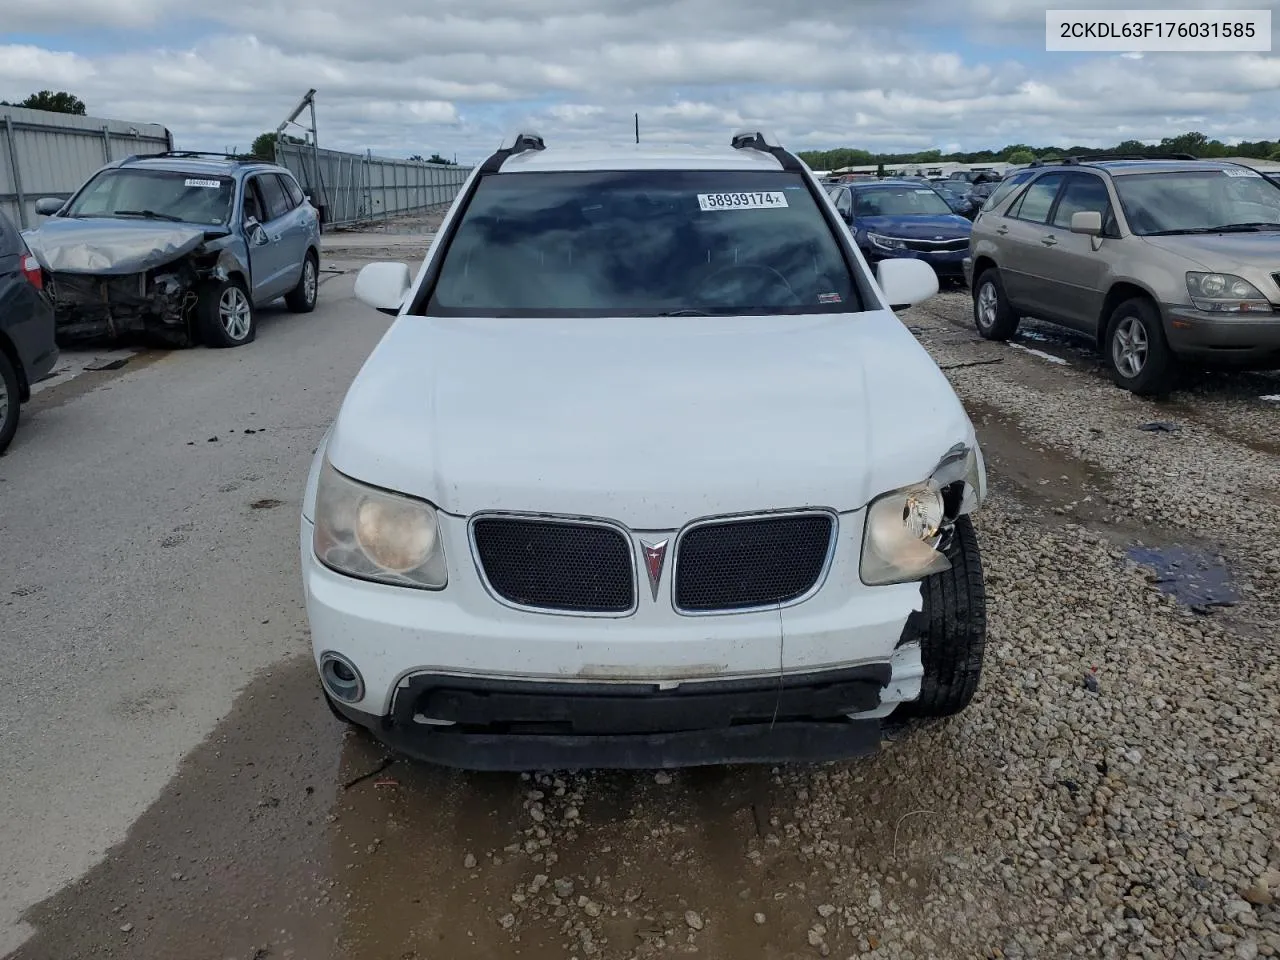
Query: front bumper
x=754 y=686
x=946 y=263
x=487 y=724
x=1213 y=336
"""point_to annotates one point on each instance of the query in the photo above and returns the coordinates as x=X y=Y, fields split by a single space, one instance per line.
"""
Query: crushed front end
x=157 y=303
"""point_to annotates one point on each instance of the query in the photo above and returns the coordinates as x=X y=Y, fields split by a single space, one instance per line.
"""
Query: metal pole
x=106 y=144
x=17 y=176
x=637 y=128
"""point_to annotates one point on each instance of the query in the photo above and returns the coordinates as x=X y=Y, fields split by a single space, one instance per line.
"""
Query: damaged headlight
x=906 y=529
x=373 y=534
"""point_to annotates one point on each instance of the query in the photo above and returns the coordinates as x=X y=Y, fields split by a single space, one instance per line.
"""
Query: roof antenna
x=637 y=128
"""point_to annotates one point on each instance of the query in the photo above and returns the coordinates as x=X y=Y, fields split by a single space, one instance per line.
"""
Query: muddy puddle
x=1196 y=578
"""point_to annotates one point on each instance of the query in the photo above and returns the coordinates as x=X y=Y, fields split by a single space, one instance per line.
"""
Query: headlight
x=905 y=528
x=886 y=243
x=376 y=535
x=1225 y=293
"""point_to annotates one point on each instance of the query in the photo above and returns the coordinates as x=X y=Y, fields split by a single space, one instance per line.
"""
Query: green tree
x=436 y=158
x=59 y=102
x=417 y=158
x=264 y=144
x=1020 y=156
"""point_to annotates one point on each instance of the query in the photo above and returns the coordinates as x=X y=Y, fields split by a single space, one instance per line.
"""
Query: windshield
x=1196 y=201
x=156 y=195
x=643 y=243
x=899 y=202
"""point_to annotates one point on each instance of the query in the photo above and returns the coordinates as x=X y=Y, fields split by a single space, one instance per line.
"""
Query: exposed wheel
x=1137 y=351
x=992 y=314
x=225 y=314
x=9 y=401
x=952 y=629
x=302 y=298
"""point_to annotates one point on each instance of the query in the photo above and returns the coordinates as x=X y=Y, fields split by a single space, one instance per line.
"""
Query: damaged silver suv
x=178 y=246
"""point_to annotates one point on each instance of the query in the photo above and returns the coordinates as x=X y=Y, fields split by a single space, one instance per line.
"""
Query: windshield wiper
x=1253 y=227
x=149 y=215
x=686 y=313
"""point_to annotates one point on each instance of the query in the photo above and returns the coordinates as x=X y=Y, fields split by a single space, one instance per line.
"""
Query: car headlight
x=1225 y=293
x=373 y=534
x=906 y=530
x=886 y=243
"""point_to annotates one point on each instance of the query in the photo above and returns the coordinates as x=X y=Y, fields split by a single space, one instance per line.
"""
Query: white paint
x=651 y=423
x=1271 y=398
x=1038 y=353
x=742 y=201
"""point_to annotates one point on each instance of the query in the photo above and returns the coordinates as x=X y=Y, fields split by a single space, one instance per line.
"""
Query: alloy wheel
x=988 y=305
x=235 y=313
x=1129 y=346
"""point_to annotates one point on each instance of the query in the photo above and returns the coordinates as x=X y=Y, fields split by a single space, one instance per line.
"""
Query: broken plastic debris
x=1160 y=426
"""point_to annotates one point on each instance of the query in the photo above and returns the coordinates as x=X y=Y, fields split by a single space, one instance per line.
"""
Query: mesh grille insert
x=736 y=564
x=555 y=564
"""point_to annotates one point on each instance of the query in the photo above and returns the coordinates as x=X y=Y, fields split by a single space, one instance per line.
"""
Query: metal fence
x=44 y=154
x=351 y=188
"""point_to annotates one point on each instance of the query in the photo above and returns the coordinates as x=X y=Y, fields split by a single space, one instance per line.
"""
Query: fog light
x=341 y=678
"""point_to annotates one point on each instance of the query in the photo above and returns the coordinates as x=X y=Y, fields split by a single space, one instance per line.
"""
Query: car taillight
x=31 y=270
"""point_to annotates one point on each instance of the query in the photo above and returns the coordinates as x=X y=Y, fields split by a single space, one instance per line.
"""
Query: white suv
x=646 y=473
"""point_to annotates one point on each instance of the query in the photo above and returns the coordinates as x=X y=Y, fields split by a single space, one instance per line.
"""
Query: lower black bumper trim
x=790 y=742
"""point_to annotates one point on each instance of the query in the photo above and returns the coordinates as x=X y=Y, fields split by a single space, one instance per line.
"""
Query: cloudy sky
x=417 y=76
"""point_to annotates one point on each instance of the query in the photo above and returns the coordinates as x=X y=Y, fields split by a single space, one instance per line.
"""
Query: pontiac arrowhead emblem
x=654 y=555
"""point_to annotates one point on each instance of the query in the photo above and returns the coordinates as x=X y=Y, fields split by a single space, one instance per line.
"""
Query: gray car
x=179 y=246
x=28 y=352
x=1160 y=261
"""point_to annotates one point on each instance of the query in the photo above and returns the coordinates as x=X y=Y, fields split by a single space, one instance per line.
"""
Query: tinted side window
x=843 y=203
x=1082 y=192
x=273 y=196
x=294 y=191
x=1034 y=205
x=1006 y=187
x=8 y=237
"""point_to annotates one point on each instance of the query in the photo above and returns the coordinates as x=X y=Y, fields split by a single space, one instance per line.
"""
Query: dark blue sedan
x=896 y=218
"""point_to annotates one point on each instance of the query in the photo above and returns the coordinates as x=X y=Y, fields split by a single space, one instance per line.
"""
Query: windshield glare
x=899 y=202
x=163 y=194
x=643 y=243
x=1196 y=200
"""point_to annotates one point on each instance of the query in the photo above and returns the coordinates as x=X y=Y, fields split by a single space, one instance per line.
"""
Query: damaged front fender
x=114 y=247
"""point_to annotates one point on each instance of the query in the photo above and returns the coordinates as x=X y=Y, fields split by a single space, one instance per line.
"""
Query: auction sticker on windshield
x=1240 y=172
x=742 y=201
x=215 y=184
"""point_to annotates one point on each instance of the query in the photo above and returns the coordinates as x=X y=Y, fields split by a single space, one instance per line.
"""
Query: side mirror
x=48 y=206
x=1088 y=222
x=255 y=231
x=383 y=285
x=905 y=282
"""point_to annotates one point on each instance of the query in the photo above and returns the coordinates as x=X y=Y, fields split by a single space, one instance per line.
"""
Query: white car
x=646 y=473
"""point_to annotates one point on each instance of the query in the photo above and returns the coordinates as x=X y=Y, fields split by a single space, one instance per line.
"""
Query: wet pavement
x=224 y=812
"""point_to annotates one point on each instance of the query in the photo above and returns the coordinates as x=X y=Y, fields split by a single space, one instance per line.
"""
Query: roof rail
x=766 y=143
x=1095 y=157
x=195 y=154
x=521 y=141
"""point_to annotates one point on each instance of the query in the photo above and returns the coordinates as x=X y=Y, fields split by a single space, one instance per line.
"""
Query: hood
x=1227 y=252
x=948 y=226
x=650 y=422
x=113 y=246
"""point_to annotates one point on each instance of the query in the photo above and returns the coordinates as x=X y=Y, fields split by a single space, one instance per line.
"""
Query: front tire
x=951 y=629
x=1137 y=352
x=994 y=317
x=9 y=401
x=302 y=298
x=225 y=314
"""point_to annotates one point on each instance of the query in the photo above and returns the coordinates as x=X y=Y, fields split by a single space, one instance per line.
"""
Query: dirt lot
x=1112 y=792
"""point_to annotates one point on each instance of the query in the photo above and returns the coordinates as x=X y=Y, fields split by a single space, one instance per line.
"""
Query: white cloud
x=409 y=76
